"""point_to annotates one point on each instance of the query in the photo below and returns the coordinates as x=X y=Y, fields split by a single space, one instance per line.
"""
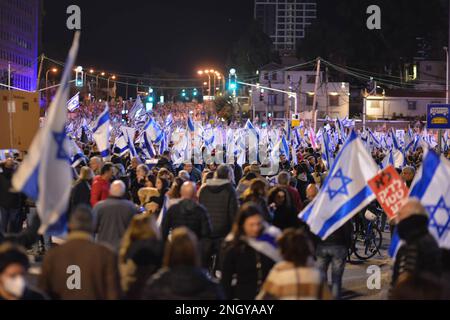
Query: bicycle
x=367 y=237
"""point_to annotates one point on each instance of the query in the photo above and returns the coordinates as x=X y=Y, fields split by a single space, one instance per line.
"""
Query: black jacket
x=189 y=214
x=165 y=163
x=285 y=217
x=147 y=258
x=8 y=199
x=81 y=194
x=420 y=251
x=220 y=200
x=249 y=267
x=340 y=237
x=182 y=283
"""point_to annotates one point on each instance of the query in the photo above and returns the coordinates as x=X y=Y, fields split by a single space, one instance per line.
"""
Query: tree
x=251 y=51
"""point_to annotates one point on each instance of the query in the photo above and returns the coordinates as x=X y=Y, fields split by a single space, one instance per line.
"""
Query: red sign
x=390 y=190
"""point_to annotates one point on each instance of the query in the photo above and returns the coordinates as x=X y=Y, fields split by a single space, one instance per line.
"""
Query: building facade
x=285 y=21
x=19 y=41
x=332 y=97
x=402 y=104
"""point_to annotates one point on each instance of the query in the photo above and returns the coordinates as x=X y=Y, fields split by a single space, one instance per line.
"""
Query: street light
x=111 y=77
x=54 y=70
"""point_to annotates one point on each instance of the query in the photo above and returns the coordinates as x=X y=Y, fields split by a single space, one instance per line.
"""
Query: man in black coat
x=219 y=197
x=11 y=218
x=420 y=252
x=190 y=214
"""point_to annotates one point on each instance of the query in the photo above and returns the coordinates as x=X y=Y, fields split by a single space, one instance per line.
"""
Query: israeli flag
x=122 y=144
x=74 y=102
x=77 y=156
x=163 y=144
x=153 y=130
x=285 y=147
x=45 y=175
x=129 y=137
x=190 y=124
x=431 y=186
x=101 y=132
x=136 y=109
x=345 y=190
x=169 y=121
x=149 y=150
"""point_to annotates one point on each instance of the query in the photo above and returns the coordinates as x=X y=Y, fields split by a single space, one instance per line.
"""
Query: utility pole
x=326 y=92
x=316 y=87
x=40 y=70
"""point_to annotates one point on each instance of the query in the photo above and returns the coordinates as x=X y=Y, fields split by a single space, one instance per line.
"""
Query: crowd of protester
x=160 y=231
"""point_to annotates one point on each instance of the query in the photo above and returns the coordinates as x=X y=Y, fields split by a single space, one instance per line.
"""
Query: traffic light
x=194 y=92
x=79 y=79
x=183 y=93
x=232 y=81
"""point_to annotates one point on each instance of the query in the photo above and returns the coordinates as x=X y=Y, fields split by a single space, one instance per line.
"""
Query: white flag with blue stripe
x=74 y=102
x=345 y=190
x=121 y=143
x=101 y=132
x=431 y=186
x=45 y=175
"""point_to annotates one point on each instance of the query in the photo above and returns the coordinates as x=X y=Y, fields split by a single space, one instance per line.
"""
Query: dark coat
x=182 y=283
x=142 y=259
x=8 y=199
x=220 y=200
x=98 y=266
x=285 y=217
x=81 y=194
x=248 y=266
x=189 y=214
x=420 y=252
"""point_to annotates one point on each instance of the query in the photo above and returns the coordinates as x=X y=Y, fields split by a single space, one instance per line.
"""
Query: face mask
x=15 y=286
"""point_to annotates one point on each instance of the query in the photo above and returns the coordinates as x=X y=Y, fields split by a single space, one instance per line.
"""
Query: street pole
x=316 y=87
x=364 y=109
x=9 y=76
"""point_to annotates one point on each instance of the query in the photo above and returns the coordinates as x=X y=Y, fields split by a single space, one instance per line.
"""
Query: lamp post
x=54 y=70
x=96 y=83
x=107 y=94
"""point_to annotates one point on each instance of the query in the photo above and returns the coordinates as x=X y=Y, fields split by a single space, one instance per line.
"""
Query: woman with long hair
x=140 y=255
x=284 y=214
x=181 y=277
x=249 y=253
x=257 y=192
x=296 y=277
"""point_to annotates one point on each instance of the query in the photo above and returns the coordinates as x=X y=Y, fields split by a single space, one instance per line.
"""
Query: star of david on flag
x=345 y=191
x=343 y=182
x=431 y=186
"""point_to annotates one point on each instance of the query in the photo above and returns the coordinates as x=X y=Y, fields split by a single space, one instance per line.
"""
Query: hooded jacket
x=220 y=200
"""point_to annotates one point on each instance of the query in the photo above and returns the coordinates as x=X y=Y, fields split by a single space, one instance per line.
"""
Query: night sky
x=142 y=36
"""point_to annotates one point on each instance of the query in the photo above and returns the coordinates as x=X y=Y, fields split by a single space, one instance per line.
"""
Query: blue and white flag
x=190 y=124
x=122 y=144
x=153 y=130
x=136 y=109
x=74 y=102
x=76 y=155
x=149 y=149
x=431 y=186
x=169 y=121
x=101 y=132
x=129 y=137
x=45 y=175
x=345 y=190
